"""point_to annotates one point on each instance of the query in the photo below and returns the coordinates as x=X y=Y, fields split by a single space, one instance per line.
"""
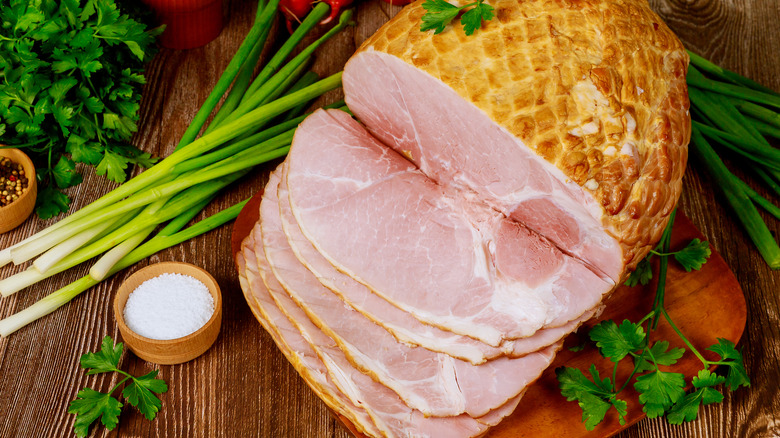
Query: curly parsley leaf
x=595 y=397
x=616 y=342
x=662 y=355
x=140 y=393
x=694 y=255
x=736 y=375
x=642 y=274
x=658 y=391
x=90 y=405
x=439 y=13
x=104 y=361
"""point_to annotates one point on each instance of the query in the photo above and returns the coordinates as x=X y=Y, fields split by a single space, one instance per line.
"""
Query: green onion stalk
x=177 y=188
x=738 y=115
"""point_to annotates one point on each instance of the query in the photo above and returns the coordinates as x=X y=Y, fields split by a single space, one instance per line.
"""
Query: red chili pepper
x=294 y=11
x=335 y=9
x=398 y=2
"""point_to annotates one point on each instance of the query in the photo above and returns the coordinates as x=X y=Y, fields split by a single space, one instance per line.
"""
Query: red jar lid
x=188 y=23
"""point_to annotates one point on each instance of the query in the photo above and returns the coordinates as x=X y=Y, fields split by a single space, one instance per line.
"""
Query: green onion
x=727 y=75
x=739 y=201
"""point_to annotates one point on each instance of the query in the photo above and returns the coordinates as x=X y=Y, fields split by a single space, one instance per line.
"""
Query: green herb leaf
x=104 y=361
x=687 y=408
x=662 y=355
x=51 y=202
x=737 y=375
x=642 y=275
x=616 y=342
x=113 y=166
x=694 y=255
x=439 y=15
x=65 y=174
x=140 y=393
x=90 y=405
x=472 y=19
x=658 y=391
x=594 y=397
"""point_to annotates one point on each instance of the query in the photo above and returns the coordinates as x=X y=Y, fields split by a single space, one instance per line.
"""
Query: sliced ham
x=401 y=324
x=390 y=414
x=447 y=259
x=292 y=345
x=433 y=383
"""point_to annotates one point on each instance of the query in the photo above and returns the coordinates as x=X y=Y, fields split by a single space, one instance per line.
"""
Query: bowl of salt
x=169 y=313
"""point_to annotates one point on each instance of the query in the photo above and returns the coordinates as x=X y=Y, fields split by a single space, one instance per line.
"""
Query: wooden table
x=243 y=386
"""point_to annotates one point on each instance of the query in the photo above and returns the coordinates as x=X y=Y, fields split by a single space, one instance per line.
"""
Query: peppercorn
x=13 y=181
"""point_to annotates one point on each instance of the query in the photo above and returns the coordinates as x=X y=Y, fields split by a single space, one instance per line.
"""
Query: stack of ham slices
x=421 y=269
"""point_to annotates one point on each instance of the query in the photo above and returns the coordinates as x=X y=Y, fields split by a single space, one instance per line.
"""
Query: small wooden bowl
x=173 y=351
x=13 y=214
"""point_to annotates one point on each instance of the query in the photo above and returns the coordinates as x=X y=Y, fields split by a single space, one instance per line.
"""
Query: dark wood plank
x=243 y=386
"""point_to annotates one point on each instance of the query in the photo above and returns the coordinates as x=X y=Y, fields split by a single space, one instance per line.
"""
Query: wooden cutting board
x=705 y=305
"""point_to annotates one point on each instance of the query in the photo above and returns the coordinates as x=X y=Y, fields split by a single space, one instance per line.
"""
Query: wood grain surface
x=243 y=387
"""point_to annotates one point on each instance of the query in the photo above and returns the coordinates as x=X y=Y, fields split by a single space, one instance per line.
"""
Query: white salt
x=168 y=306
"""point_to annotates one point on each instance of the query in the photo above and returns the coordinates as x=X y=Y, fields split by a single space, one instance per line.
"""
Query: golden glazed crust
x=595 y=87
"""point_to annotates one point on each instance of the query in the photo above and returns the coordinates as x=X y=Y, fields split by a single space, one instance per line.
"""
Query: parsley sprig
x=91 y=405
x=70 y=90
x=440 y=13
x=660 y=392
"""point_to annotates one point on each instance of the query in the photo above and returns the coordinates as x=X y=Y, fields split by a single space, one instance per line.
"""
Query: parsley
x=692 y=257
x=90 y=405
x=70 y=83
x=440 y=13
x=660 y=392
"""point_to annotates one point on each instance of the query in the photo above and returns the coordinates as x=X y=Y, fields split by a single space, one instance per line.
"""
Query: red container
x=189 y=23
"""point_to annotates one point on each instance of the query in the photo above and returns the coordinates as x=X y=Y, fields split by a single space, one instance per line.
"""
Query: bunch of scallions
x=738 y=116
x=255 y=124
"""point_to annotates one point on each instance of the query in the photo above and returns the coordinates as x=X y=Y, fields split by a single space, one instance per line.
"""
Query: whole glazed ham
x=420 y=269
x=570 y=116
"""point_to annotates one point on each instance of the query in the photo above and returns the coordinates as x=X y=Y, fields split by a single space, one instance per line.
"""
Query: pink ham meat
x=295 y=348
x=433 y=383
x=452 y=151
x=398 y=322
x=385 y=409
x=440 y=254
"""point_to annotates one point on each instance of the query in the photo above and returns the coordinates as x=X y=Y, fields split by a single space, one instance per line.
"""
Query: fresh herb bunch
x=660 y=392
x=440 y=13
x=70 y=89
x=90 y=405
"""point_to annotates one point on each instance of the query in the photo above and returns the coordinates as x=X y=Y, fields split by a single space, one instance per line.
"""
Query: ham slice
x=447 y=259
x=433 y=383
x=387 y=411
x=401 y=324
x=292 y=345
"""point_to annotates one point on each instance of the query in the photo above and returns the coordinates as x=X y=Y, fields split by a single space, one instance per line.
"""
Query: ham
x=297 y=336
x=571 y=118
x=448 y=260
x=433 y=383
x=401 y=324
x=421 y=268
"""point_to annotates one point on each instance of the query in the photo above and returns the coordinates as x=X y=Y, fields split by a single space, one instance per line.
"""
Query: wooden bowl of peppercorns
x=18 y=188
